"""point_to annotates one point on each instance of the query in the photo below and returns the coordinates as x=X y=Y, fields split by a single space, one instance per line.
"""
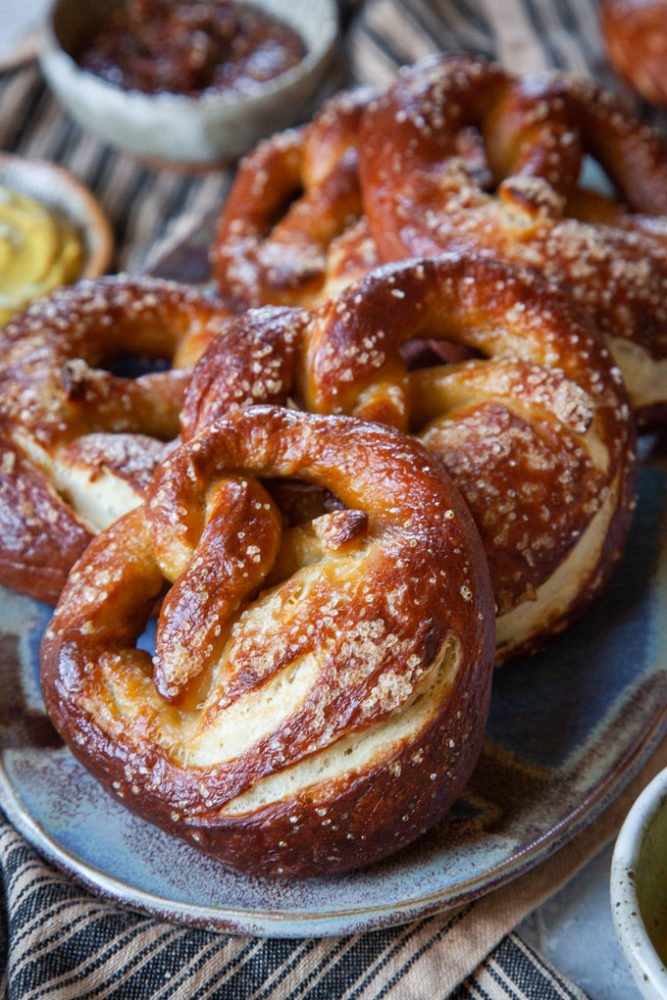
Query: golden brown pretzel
x=535 y=431
x=255 y=360
x=635 y=32
x=422 y=199
x=534 y=428
x=293 y=231
x=318 y=696
x=78 y=443
x=292 y=198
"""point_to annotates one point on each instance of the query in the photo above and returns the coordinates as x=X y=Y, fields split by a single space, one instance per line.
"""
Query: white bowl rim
x=315 y=52
x=22 y=174
x=637 y=946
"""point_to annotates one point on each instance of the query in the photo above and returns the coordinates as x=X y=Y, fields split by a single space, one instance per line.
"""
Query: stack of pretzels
x=395 y=449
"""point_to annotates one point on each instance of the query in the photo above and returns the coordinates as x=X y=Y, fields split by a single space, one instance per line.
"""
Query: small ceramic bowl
x=213 y=127
x=639 y=889
x=60 y=191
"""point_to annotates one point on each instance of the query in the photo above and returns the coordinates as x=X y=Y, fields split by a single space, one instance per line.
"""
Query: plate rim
x=272 y=923
x=578 y=812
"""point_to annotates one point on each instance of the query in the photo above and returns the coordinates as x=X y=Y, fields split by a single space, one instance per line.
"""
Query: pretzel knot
x=293 y=197
x=80 y=443
x=423 y=198
x=531 y=422
x=635 y=33
x=318 y=694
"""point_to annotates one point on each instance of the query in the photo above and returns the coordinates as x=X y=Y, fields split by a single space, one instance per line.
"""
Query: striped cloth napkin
x=57 y=941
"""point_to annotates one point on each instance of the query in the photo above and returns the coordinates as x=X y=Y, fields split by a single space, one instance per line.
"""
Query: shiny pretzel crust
x=534 y=428
x=635 y=32
x=287 y=233
x=422 y=198
x=330 y=717
x=79 y=444
x=536 y=433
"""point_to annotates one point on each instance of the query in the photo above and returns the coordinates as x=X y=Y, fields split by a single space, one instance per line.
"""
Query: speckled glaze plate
x=568 y=728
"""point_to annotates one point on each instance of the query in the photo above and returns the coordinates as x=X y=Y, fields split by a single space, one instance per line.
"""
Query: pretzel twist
x=533 y=424
x=536 y=432
x=422 y=198
x=292 y=199
x=79 y=443
x=635 y=32
x=318 y=694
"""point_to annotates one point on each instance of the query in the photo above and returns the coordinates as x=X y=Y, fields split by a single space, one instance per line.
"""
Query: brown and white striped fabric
x=57 y=941
x=140 y=203
x=61 y=943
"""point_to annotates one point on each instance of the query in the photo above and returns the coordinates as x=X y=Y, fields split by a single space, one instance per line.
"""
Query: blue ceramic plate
x=568 y=728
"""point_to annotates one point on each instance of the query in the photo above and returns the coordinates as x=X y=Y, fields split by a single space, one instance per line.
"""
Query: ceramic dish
x=639 y=889
x=60 y=191
x=568 y=728
x=213 y=127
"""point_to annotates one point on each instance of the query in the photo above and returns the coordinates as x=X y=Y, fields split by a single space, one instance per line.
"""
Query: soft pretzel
x=534 y=430
x=422 y=198
x=292 y=198
x=79 y=443
x=635 y=32
x=533 y=427
x=318 y=695
x=293 y=230
x=256 y=360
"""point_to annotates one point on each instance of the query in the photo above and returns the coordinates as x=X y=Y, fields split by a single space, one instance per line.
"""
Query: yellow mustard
x=39 y=250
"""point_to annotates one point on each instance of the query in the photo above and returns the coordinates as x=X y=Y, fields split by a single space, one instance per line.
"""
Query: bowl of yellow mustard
x=52 y=232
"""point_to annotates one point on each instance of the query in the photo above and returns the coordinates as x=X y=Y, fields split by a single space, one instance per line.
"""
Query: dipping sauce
x=189 y=46
x=39 y=250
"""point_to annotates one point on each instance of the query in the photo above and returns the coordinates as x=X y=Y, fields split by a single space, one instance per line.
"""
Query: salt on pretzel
x=635 y=33
x=535 y=431
x=79 y=443
x=318 y=695
x=292 y=198
x=533 y=427
x=421 y=197
x=293 y=230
